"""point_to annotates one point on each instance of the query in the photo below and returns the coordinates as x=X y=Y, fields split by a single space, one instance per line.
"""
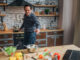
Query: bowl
x=32 y=48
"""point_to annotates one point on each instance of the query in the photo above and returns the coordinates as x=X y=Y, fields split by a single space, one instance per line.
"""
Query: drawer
x=7 y=41
x=59 y=41
x=5 y=36
x=53 y=33
x=1 y=36
x=18 y=35
x=1 y=42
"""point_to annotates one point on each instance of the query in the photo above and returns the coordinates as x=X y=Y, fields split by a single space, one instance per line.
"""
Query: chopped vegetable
x=10 y=50
x=45 y=53
x=40 y=56
x=45 y=50
x=57 y=55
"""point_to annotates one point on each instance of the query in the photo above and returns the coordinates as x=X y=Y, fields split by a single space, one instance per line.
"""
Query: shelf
x=3 y=4
x=44 y=5
x=47 y=15
x=2 y=15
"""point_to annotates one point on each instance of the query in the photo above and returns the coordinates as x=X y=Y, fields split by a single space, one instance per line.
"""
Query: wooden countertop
x=41 y=30
x=59 y=49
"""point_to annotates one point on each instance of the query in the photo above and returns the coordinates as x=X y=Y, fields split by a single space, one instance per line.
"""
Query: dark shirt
x=30 y=23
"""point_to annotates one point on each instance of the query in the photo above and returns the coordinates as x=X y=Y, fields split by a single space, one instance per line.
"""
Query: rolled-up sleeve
x=36 y=22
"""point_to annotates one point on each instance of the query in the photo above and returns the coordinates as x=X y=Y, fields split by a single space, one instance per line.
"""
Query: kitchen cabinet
x=45 y=38
x=18 y=38
x=6 y=40
x=56 y=38
x=50 y=39
x=41 y=39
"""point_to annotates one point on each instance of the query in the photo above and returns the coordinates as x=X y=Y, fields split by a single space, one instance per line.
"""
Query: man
x=31 y=26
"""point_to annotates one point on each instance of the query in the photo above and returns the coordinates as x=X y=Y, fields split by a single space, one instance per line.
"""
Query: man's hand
x=37 y=31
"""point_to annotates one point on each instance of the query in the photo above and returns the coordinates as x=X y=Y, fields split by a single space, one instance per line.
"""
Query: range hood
x=19 y=3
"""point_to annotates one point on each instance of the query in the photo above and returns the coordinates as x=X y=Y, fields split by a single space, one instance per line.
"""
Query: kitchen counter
x=60 y=49
x=43 y=39
x=41 y=30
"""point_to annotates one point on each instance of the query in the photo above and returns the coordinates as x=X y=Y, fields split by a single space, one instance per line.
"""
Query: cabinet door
x=50 y=41
x=18 y=38
x=59 y=40
x=58 y=36
x=6 y=40
x=41 y=39
x=42 y=35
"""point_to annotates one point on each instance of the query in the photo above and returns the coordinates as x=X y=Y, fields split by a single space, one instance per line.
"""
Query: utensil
x=3 y=51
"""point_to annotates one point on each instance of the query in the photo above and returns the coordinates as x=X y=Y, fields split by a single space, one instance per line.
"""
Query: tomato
x=45 y=49
x=40 y=56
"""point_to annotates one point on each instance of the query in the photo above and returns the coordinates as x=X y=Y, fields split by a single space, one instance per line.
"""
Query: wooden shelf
x=3 y=4
x=47 y=15
x=44 y=5
x=2 y=15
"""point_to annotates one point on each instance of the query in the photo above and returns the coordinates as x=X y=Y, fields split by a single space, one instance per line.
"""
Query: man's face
x=27 y=10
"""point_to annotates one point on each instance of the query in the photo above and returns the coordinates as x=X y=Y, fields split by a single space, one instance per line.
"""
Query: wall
x=15 y=14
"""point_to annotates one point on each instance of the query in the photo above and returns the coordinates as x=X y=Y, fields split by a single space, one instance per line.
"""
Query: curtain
x=76 y=18
x=68 y=23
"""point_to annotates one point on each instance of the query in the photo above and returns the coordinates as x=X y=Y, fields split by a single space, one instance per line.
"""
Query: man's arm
x=21 y=26
x=37 y=24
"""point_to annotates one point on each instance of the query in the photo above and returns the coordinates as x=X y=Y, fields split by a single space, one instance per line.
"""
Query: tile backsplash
x=14 y=16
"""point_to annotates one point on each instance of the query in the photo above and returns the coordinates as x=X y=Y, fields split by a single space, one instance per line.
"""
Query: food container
x=36 y=13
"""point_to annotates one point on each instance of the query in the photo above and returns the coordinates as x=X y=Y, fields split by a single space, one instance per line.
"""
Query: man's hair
x=27 y=5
